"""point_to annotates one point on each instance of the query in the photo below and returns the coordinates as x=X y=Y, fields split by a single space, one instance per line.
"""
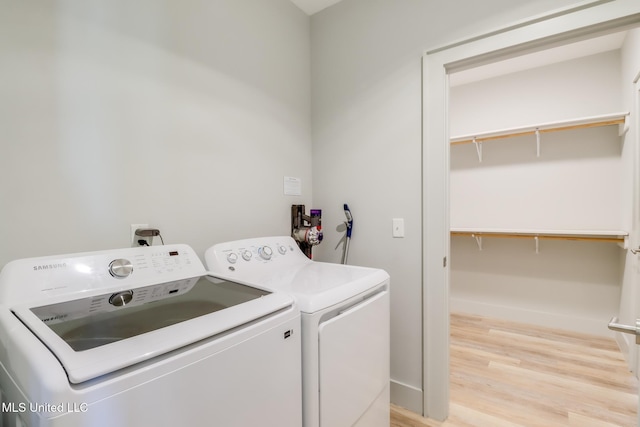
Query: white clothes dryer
x=144 y=337
x=345 y=326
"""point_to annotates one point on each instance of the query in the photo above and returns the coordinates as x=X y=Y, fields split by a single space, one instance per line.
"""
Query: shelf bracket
x=537 y=240
x=478 y=241
x=623 y=128
x=478 y=149
x=625 y=244
x=538 y=142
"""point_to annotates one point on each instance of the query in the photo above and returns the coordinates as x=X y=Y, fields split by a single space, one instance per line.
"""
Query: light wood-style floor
x=506 y=374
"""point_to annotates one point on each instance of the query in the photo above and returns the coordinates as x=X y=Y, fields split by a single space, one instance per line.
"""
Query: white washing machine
x=144 y=336
x=345 y=326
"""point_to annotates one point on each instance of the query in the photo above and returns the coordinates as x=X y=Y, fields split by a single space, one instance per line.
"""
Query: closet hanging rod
x=592 y=238
x=582 y=123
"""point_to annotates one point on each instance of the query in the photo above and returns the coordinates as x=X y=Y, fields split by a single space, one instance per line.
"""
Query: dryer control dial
x=232 y=257
x=265 y=252
x=246 y=255
x=120 y=268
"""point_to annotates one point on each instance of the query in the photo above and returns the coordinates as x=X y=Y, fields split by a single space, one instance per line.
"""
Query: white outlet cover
x=398 y=227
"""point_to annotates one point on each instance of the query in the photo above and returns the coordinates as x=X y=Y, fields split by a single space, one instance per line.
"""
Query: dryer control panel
x=254 y=255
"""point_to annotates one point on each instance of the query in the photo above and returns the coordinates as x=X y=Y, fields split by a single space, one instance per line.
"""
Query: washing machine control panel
x=119 y=269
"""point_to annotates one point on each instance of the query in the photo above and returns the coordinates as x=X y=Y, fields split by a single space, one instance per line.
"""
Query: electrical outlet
x=132 y=237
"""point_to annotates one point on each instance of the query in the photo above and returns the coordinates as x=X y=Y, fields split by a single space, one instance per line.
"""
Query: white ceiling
x=312 y=6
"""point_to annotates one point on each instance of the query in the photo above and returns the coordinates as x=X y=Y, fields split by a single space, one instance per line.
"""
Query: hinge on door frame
x=444 y=261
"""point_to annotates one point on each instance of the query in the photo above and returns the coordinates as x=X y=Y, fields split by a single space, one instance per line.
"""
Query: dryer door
x=354 y=362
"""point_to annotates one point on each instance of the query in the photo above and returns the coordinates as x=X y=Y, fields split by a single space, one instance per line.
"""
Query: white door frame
x=584 y=20
x=634 y=240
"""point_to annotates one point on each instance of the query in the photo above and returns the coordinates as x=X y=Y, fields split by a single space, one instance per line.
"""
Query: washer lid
x=102 y=333
x=318 y=285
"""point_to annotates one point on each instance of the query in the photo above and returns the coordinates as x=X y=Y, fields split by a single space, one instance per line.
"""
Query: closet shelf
x=615 y=236
x=579 y=123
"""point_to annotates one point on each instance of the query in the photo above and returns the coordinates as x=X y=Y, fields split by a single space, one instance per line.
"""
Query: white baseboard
x=567 y=321
x=406 y=396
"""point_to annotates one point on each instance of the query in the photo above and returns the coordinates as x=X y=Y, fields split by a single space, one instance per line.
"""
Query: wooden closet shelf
x=614 y=236
x=580 y=123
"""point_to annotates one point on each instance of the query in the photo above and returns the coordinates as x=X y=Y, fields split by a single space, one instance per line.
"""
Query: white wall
x=183 y=115
x=582 y=87
x=366 y=118
x=575 y=184
x=569 y=284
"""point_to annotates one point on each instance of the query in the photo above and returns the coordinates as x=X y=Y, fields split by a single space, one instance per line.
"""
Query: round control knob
x=121 y=298
x=246 y=255
x=265 y=252
x=120 y=268
x=282 y=249
x=232 y=258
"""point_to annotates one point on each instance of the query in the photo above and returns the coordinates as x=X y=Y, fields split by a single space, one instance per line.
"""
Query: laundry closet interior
x=541 y=186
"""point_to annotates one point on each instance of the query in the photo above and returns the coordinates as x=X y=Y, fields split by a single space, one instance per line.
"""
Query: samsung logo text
x=49 y=266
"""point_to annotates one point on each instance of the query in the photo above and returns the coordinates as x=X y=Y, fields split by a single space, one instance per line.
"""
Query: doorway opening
x=558 y=29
